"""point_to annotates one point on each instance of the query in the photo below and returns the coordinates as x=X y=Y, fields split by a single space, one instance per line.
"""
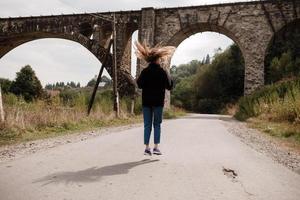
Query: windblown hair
x=144 y=52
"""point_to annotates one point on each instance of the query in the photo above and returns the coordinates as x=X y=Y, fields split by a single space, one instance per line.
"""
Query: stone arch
x=281 y=29
x=249 y=44
x=53 y=61
x=188 y=31
x=91 y=45
x=280 y=34
x=184 y=33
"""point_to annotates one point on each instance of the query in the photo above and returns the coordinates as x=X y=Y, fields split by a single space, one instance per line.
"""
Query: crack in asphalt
x=232 y=174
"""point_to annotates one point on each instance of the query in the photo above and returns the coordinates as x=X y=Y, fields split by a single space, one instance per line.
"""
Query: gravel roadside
x=263 y=143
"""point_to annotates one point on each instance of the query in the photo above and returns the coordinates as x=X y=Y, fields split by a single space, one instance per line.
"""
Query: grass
x=275 y=110
x=173 y=113
x=65 y=114
x=278 y=102
x=284 y=131
x=12 y=136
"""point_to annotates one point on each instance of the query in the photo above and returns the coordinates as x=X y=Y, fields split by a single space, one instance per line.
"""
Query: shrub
x=27 y=84
x=278 y=102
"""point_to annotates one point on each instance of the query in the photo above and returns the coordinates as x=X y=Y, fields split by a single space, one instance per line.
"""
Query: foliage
x=183 y=94
x=65 y=112
x=207 y=60
x=184 y=70
x=224 y=78
x=275 y=109
x=173 y=113
x=62 y=85
x=209 y=87
x=105 y=79
x=283 y=67
x=278 y=102
x=92 y=82
x=27 y=84
x=5 y=85
x=283 y=56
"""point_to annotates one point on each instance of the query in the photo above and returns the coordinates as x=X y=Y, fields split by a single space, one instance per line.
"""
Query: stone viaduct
x=251 y=25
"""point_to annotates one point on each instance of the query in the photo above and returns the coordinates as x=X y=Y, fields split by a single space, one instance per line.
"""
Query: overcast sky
x=62 y=60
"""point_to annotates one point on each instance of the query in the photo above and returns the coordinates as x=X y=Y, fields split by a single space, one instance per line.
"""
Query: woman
x=153 y=81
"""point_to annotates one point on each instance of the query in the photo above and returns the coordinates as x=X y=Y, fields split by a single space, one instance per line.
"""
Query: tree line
x=208 y=87
x=28 y=86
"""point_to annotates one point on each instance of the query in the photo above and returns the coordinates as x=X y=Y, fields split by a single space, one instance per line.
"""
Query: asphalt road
x=198 y=156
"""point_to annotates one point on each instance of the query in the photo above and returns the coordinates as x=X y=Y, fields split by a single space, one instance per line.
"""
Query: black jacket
x=153 y=81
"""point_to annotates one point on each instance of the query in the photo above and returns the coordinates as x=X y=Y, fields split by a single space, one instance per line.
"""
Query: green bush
x=280 y=102
x=209 y=106
x=183 y=94
x=283 y=56
x=27 y=84
x=10 y=99
x=138 y=105
x=5 y=85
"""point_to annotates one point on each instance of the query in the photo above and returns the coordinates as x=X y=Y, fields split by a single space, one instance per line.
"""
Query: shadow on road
x=91 y=174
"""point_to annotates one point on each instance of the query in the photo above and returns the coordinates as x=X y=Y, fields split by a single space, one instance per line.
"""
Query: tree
x=207 y=59
x=183 y=93
x=106 y=80
x=72 y=84
x=185 y=70
x=220 y=82
x=283 y=54
x=209 y=87
x=27 y=84
x=49 y=87
x=5 y=85
x=91 y=83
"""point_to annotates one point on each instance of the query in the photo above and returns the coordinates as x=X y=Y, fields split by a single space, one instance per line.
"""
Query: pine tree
x=27 y=84
x=207 y=59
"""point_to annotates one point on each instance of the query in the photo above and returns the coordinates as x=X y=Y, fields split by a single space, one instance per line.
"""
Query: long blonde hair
x=144 y=52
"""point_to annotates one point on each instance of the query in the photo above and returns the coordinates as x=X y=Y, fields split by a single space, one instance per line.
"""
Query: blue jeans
x=152 y=114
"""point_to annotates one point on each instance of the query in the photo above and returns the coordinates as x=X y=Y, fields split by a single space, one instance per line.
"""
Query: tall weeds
x=57 y=114
x=279 y=102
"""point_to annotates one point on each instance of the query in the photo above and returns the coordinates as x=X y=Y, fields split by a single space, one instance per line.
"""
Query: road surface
x=199 y=154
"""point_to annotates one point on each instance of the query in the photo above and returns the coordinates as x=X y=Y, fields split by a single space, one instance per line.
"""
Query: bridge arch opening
x=53 y=59
x=134 y=38
x=215 y=68
x=186 y=32
x=282 y=57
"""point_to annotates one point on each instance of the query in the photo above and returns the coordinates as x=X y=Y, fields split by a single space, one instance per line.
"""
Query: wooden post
x=132 y=106
x=115 y=71
x=99 y=78
x=1 y=107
